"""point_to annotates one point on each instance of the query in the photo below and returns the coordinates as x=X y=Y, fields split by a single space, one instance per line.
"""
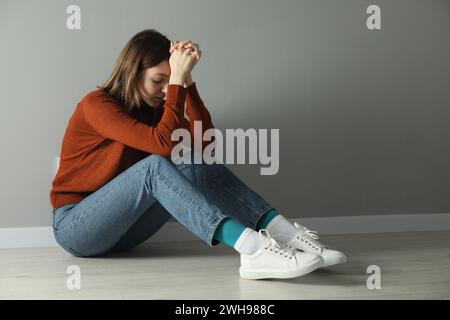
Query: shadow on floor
x=173 y=250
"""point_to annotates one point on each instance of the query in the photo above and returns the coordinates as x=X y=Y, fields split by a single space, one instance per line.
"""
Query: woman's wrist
x=175 y=79
x=188 y=81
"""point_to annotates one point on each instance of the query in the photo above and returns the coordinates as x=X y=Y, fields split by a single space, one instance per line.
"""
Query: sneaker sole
x=277 y=274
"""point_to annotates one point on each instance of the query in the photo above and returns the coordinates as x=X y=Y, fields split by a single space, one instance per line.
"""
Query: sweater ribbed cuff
x=193 y=93
x=176 y=96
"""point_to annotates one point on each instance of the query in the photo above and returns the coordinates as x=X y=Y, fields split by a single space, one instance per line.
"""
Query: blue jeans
x=133 y=206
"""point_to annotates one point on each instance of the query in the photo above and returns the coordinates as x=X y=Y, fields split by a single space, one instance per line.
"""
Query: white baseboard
x=174 y=231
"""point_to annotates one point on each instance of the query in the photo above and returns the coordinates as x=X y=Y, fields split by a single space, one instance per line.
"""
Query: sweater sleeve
x=197 y=111
x=109 y=120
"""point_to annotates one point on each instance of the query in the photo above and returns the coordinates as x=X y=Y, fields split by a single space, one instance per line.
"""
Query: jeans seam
x=192 y=204
x=213 y=228
x=261 y=213
x=163 y=179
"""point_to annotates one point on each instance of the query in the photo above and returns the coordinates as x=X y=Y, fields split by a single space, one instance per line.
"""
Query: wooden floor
x=414 y=265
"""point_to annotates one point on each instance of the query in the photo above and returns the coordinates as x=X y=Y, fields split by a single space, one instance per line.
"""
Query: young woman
x=116 y=185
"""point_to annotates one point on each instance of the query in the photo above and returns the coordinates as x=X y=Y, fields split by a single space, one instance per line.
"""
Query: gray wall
x=363 y=115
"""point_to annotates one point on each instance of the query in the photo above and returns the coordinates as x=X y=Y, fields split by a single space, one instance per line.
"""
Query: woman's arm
x=110 y=121
x=197 y=111
x=195 y=108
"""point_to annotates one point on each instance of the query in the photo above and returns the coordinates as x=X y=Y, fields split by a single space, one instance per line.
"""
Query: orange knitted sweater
x=102 y=140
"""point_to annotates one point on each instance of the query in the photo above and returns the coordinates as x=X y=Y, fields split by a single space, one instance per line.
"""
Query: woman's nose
x=165 y=89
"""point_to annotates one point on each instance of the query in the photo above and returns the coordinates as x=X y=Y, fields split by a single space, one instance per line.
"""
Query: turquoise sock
x=265 y=220
x=228 y=231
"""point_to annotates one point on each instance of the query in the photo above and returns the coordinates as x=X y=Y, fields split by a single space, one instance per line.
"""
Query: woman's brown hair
x=144 y=50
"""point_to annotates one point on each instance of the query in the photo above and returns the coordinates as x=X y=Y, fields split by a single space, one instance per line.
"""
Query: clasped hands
x=184 y=55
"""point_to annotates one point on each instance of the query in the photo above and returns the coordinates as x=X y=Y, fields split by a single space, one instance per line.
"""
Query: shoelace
x=273 y=245
x=310 y=234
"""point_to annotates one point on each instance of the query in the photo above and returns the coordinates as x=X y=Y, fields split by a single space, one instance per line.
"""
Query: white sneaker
x=275 y=261
x=306 y=240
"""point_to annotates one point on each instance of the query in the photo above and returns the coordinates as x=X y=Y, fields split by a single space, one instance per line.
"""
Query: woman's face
x=153 y=84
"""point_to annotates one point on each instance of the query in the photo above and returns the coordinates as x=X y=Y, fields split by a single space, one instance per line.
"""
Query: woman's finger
x=186 y=44
x=192 y=45
x=183 y=43
x=172 y=48
x=185 y=52
x=173 y=45
x=195 y=54
x=195 y=51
